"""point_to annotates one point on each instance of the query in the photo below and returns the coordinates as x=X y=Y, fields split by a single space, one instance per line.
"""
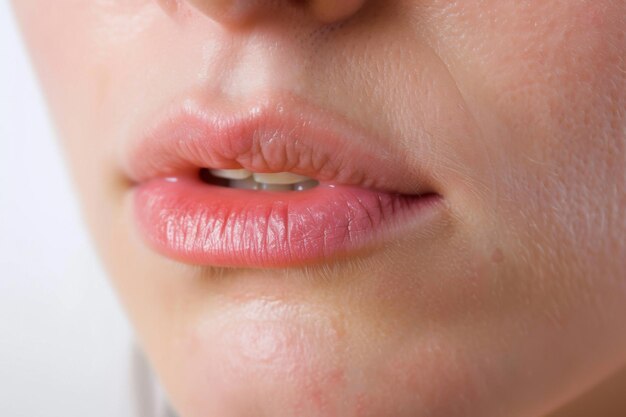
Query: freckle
x=497 y=256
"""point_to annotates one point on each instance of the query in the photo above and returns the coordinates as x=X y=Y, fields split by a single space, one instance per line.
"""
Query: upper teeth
x=269 y=181
x=231 y=174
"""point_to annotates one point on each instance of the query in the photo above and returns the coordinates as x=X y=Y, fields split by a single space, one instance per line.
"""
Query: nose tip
x=240 y=12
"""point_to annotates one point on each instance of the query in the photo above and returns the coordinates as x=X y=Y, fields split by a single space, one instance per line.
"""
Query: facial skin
x=511 y=304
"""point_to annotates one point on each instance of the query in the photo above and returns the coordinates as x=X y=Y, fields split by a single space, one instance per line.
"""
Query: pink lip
x=367 y=193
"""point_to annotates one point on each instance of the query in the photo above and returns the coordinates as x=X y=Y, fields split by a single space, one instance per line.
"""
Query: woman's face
x=493 y=285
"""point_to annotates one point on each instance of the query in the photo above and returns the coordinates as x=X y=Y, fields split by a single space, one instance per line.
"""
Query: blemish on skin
x=321 y=389
x=288 y=352
x=497 y=256
x=364 y=404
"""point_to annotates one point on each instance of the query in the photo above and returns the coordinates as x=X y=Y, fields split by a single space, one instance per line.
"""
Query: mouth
x=276 y=183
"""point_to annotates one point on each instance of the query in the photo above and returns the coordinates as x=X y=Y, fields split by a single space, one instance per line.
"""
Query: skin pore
x=510 y=303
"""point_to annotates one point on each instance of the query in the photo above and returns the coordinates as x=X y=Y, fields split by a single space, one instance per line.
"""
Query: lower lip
x=193 y=222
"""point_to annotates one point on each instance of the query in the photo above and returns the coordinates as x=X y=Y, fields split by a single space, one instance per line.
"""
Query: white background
x=64 y=342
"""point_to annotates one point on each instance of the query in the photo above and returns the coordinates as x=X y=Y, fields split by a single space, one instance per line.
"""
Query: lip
x=368 y=193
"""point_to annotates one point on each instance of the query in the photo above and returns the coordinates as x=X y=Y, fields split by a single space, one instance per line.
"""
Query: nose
x=240 y=12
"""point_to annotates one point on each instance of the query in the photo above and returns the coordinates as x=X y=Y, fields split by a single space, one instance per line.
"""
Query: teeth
x=246 y=184
x=231 y=174
x=281 y=178
x=275 y=187
x=246 y=180
x=250 y=184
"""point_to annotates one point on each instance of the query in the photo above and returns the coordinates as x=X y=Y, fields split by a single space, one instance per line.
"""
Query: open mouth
x=280 y=184
x=246 y=180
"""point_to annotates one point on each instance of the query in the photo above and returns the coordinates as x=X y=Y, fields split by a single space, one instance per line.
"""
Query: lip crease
x=367 y=192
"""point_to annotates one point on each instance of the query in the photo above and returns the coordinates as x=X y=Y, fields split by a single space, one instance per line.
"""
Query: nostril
x=331 y=11
x=218 y=10
x=240 y=13
x=234 y=13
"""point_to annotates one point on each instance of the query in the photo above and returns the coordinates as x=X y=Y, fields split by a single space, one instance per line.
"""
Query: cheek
x=536 y=64
x=59 y=39
x=546 y=82
x=62 y=47
x=81 y=51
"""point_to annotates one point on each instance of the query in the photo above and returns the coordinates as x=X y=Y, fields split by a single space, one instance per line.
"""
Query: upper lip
x=276 y=133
